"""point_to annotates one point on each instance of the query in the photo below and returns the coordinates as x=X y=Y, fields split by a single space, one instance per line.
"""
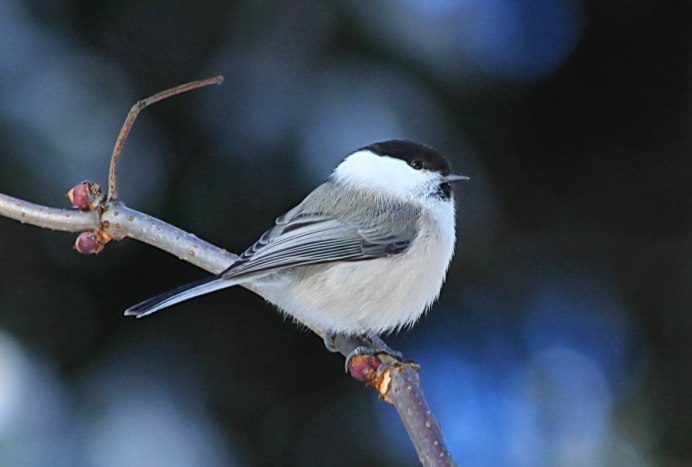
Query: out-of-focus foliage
x=563 y=334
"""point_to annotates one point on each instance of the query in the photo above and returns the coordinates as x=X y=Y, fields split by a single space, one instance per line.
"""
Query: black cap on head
x=412 y=153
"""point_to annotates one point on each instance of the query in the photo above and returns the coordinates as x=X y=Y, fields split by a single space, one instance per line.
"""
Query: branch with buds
x=100 y=219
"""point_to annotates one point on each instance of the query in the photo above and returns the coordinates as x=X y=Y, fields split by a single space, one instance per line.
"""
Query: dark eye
x=416 y=164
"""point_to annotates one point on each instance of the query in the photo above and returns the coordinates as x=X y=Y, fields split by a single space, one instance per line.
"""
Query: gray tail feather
x=180 y=294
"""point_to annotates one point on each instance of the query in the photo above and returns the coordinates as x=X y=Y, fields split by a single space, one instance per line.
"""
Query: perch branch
x=400 y=386
x=397 y=382
x=120 y=221
x=67 y=220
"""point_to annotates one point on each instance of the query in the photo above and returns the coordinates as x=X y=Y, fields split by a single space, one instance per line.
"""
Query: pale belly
x=377 y=295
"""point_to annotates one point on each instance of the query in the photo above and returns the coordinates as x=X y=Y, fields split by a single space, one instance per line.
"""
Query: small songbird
x=365 y=253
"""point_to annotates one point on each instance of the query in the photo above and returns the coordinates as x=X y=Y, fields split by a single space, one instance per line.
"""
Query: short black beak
x=451 y=178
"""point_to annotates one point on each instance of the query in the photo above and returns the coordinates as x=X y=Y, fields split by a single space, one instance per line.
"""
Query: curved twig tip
x=132 y=116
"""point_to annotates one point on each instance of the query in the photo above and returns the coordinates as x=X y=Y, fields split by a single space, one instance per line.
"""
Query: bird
x=364 y=254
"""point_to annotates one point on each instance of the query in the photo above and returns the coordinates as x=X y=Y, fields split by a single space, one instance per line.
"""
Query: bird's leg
x=330 y=341
x=365 y=344
x=375 y=345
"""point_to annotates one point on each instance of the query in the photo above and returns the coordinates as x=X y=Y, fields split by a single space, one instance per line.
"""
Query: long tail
x=185 y=292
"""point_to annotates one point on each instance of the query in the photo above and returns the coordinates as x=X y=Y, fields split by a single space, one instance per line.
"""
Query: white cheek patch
x=387 y=174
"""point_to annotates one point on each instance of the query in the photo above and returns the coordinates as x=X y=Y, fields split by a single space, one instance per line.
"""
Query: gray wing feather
x=307 y=236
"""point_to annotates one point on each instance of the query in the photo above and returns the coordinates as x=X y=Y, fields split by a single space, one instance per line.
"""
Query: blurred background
x=563 y=334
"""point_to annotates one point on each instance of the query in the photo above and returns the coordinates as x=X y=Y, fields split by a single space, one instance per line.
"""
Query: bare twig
x=400 y=386
x=132 y=116
x=67 y=220
x=397 y=382
x=119 y=222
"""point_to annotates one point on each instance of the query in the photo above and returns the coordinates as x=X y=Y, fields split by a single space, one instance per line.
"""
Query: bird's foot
x=368 y=344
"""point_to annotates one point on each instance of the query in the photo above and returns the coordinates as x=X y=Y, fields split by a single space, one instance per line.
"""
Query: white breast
x=377 y=296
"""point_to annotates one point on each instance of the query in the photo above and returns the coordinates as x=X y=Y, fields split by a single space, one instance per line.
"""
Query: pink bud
x=364 y=367
x=85 y=196
x=87 y=243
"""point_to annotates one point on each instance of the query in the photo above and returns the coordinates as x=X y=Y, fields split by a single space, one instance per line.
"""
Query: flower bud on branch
x=85 y=196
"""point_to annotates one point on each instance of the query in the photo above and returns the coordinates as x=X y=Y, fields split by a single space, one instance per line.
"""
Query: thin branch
x=66 y=220
x=132 y=116
x=119 y=222
x=400 y=386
